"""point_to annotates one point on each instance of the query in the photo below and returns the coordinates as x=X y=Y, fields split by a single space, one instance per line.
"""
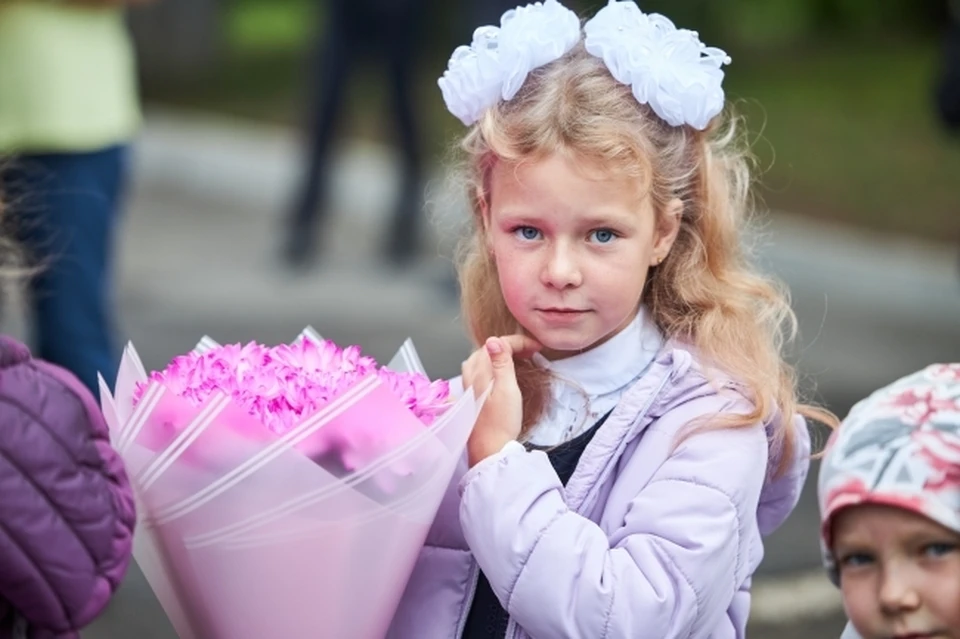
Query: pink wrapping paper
x=247 y=534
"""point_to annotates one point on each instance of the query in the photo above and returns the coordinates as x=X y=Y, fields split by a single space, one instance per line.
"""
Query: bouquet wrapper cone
x=247 y=534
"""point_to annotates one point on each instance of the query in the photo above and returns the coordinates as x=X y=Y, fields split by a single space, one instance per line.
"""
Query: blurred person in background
x=69 y=109
x=948 y=86
x=389 y=31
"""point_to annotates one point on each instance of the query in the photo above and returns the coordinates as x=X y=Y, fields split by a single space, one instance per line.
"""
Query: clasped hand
x=501 y=418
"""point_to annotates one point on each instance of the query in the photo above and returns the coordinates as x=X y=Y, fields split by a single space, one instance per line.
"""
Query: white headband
x=667 y=68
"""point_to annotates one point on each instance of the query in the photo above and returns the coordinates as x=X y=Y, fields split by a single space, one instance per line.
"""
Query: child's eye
x=939 y=549
x=856 y=560
x=603 y=236
x=526 y=233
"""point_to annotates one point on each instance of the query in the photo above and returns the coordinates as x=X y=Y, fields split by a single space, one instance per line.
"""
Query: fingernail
x=494 y=347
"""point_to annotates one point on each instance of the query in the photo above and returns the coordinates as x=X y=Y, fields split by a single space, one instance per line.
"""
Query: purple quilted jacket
x=67 y=509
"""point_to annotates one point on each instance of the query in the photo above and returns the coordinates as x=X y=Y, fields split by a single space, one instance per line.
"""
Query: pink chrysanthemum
x=280 y=385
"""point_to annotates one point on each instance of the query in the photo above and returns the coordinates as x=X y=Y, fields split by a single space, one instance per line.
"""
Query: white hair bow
x=668 y=68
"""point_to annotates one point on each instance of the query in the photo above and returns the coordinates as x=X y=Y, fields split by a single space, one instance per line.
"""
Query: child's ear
x=668 y=227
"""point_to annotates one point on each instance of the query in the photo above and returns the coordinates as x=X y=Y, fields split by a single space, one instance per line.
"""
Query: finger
x=520 y=345
x=501 y=358
x=477 y=371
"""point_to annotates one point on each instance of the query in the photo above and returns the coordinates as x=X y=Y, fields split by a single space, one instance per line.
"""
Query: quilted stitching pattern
x=66 y=506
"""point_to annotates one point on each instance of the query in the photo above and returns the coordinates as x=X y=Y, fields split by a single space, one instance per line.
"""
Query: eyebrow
x=854 y=542
x=850 y=537
x=926 y=536
x=599 y=219
x=914 y=537
x=591 y=219
x=852 y=546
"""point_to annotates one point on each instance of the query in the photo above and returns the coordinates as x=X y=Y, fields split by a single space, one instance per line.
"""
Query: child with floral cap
x=643 y=432
x=890 y=502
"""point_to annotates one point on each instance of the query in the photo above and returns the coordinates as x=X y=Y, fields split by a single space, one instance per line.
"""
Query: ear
x=668 y=226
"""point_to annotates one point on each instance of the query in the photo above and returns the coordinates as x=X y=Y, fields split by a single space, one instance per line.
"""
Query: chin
x=565 y=344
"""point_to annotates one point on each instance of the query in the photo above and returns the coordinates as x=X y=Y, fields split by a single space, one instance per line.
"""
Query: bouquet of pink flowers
x=284 y=491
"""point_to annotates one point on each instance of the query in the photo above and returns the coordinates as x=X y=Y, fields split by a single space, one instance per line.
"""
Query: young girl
x=67 y=512
x=890 y=504
x=621 y=478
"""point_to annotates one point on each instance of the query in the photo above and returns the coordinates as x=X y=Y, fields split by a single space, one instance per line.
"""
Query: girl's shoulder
x=681 y=381
x=52 y=423
x=665 y=420
x=689 y=394
x=12 y=352
x=48 y=394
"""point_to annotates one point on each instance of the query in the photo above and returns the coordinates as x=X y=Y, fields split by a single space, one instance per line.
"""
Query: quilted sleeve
x=66 y=506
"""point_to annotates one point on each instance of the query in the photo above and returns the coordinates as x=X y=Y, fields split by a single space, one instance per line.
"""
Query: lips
x=561 y=316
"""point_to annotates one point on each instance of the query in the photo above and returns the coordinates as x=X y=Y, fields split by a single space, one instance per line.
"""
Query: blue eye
x=527 y=232
x=603 y=236
x=939 y=549
x=856 y=560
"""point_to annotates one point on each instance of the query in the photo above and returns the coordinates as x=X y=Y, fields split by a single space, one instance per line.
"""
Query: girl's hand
x=502 y=414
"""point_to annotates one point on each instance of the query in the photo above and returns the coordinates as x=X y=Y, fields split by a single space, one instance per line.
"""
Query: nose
x=562 y=268
x=899 y=591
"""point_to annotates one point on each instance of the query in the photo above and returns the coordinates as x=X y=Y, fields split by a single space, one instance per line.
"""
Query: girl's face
x=899 y=573
x=572 y=249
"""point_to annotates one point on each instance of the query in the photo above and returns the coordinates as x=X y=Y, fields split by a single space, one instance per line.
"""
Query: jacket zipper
x=598 y=481
x=513 y=631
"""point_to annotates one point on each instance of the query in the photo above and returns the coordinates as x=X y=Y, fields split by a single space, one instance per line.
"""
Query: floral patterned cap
x=899 y=447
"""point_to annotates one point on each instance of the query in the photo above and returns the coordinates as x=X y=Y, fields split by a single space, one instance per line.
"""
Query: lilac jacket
x=646 y=541
x=67 y=512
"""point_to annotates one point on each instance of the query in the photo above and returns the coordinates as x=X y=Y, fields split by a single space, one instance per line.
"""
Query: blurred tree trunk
x=177 y=39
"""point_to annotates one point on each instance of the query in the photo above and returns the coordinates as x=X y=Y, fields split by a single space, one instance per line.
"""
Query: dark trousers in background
x=65 y=207
x=948 y=87
x=386 y=31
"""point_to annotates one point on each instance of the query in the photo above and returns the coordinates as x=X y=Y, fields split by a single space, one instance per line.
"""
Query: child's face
x=899 y=573
x=572 y=250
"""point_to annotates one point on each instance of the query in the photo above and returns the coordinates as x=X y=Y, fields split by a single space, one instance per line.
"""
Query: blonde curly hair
x=705 y=293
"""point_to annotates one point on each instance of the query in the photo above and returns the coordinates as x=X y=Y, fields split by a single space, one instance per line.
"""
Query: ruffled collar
x=611 y=366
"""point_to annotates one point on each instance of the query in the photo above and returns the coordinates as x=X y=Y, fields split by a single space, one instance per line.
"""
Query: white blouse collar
x=614 y=364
